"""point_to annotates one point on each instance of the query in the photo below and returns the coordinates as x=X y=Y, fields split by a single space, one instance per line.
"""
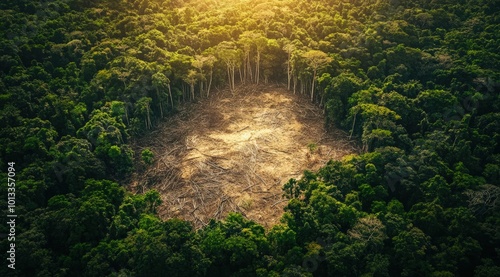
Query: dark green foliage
x=415 y=82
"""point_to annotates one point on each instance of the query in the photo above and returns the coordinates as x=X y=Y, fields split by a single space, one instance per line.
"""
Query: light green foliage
x=312 y=147
x=415 y=83
x=147 y=156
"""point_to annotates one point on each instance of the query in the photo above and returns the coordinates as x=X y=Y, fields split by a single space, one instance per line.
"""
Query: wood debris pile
x=234 y=152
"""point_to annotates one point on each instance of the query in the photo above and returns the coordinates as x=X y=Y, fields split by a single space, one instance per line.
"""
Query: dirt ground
x=234 y=152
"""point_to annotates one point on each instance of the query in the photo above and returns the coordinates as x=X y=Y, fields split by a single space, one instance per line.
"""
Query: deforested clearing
x=234 y=151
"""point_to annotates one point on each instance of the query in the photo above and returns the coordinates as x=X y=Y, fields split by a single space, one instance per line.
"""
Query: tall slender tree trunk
x=229 y=77
x=170 y=94
x=245 y=67
x=159 y=102
x=191 y=85
x=232 y=75
x=249 y=67
x=294 y=84
x=312 y=85
x=257 y=68
x=148 y=117
x=288 y=70
x=210 y=82
x=201 y=81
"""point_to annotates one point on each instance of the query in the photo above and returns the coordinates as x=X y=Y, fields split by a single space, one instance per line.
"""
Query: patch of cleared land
x=234 y=152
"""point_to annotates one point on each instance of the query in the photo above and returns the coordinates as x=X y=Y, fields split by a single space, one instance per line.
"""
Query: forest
x=414 y=83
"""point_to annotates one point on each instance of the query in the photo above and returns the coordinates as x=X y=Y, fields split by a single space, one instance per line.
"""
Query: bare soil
x=234 y=152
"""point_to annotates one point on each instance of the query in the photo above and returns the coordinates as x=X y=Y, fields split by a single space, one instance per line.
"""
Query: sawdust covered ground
x=234 y=152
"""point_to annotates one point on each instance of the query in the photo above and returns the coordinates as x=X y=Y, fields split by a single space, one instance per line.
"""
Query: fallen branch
x=260 y=178
x=281 y=201
x=215 y=157
x=242 y=129
x=248 y=187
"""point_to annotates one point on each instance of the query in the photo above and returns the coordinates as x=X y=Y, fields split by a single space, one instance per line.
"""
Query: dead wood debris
x=234 y=152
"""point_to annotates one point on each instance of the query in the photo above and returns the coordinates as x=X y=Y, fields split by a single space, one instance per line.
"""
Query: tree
x=415 y=82
x=143 y=109
x=246 y=42
x=191 y=78
x=228 y=53
x=147 y=156
x=104 y=129
x=369 y=230
x=210 y=61
x=99 y=202
x=75 y=162
x=233 y=244
x=316 y=59
x=119 y=110
x=410 y=249
x=198 y=63
x=289 y=48
x=377 y=124
x=160 y=82
x=260 y=44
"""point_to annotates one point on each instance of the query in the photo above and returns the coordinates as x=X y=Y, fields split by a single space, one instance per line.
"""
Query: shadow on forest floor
x=234 y=152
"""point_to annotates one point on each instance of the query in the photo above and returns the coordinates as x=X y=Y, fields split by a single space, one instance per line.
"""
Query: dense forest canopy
x=415 y=82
